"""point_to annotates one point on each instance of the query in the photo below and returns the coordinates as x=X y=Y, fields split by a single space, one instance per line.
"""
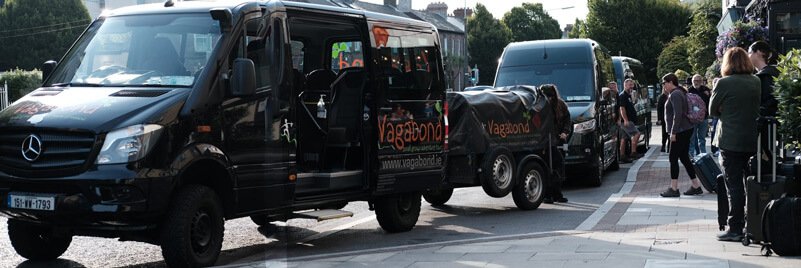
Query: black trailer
x=499 y=139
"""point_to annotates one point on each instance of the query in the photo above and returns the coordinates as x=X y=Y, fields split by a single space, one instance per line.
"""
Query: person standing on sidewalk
x=660 y=119
x=562 y=130
x=680 y=131
x=760 y=53
x=735 y=101
x=629 y=116
x=698 y=139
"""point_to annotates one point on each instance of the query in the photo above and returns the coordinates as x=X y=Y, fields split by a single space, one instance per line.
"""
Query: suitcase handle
x=771 y=123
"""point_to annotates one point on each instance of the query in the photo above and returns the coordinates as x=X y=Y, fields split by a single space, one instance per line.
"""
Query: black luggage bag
x=781 y=227
x=707 y=171
x=762 y=188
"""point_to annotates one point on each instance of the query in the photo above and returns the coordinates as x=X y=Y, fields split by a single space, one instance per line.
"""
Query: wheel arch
x=206 y=165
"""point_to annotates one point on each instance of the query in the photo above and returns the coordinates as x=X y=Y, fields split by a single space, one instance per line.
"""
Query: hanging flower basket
x=741 y=34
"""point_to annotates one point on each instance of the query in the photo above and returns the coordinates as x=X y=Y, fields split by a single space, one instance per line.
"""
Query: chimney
x=438 y=8
x=459 y=12
x=405 y=5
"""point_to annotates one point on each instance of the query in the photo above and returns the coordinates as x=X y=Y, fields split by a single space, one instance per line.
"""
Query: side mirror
x=47 y=68
x=243 y=80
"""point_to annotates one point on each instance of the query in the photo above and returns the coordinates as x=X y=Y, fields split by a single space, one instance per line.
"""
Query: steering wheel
x=105 y=71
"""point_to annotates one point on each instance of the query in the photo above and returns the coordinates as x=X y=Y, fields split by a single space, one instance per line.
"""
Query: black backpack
x=781 y=227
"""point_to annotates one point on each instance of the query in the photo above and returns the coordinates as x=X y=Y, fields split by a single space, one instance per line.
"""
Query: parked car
x=581 y=69
x=164 y=120
x=630 y=68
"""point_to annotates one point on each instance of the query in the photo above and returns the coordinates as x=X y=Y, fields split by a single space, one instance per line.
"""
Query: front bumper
x=105 y=197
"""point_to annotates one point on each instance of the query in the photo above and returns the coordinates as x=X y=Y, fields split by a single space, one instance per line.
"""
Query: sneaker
x=561 y=200
x=625 y=160
x=662 y=149
x=635 y=156
x=730 y=236
x=717 y=154
x=547 y=200
x=670 y=193
x=694 y=191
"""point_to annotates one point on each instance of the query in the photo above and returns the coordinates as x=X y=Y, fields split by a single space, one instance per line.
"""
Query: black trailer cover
x=517 y=117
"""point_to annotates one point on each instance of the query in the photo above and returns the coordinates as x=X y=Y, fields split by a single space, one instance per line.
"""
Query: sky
x=564 y=11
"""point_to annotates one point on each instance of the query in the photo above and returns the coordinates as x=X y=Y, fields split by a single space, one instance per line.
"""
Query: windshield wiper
x=75 y=84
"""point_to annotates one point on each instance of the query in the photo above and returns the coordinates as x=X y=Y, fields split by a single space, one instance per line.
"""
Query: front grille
x=62 y=152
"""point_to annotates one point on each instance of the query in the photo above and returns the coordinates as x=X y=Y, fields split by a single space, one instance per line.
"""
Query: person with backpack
x=698 y=139
x=680 y=129
x=735 y=101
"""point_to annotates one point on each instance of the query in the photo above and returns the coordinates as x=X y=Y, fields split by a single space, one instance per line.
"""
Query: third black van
x=581 y=69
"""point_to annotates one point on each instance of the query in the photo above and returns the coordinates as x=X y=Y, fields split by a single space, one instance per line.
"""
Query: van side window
x=297 y=55
x=408 y=59
x=346 y=54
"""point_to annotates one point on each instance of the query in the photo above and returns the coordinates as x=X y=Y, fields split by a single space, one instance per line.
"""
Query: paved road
x=469 y=214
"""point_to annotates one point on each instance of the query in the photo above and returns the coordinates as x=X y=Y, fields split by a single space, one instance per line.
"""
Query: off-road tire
x=498 y=172
x=530 y=189
x=192 y=234
x=398 y=213
x=438 y=196
x=615 y=166
x=596 y=176
x=37 y=243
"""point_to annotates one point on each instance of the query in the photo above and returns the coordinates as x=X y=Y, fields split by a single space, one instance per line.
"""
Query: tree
x=579 y=30
x=34 y=31
x=531 y=22
x=486 y=38
x=703 y=33
x=638 y=29
x=673 y=57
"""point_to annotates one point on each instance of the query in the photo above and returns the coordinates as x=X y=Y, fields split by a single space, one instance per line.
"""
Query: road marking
x=411 y=247
x=631 y=178
x=336 y=229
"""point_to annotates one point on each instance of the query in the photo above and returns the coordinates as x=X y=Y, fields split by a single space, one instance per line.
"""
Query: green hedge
x=788 y=92
x=20 y=82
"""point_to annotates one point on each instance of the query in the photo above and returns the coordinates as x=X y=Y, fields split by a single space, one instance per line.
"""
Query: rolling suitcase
x=723 y=202
x=707 y=171
x=761 y=188
x=781 y=227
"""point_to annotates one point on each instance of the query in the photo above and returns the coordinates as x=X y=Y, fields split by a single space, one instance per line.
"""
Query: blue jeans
x=698 y=140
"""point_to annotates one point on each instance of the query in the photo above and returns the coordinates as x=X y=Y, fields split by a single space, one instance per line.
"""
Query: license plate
x=35 y=202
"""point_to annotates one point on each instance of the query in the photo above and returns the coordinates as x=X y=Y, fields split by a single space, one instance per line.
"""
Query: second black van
x=580 y=68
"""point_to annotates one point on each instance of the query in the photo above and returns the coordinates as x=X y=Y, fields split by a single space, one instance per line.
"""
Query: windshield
x=574 y=81
x=142 y=50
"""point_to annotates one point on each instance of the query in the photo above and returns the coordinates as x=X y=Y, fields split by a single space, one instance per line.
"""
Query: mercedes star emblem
x=31 y=148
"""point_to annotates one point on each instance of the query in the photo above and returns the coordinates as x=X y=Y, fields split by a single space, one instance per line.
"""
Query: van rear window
x=574 y=81
x=520 y=57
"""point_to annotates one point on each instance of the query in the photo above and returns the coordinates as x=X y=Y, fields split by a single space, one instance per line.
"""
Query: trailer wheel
x=398 y=213
x=438 y=196
x=192 y=235
x=498 y=172
x=37 y=243
x=529 y=193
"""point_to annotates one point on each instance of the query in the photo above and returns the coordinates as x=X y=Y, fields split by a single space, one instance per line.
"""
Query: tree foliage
x=673 y=57
x=579 y=30
x=788 y=92
x=20 y=82
x=486 y=39
x=34 y=31
x=703 y=33
x=531 y=22
x=638 y=29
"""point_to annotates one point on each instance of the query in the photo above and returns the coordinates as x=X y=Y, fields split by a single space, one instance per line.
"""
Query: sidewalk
x=635 y=228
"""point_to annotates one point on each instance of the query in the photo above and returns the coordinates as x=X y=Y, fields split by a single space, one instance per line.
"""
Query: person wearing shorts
x=629 y=122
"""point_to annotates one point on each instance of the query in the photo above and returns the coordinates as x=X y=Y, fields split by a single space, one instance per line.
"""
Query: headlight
x=128 y=144
x=584 y=127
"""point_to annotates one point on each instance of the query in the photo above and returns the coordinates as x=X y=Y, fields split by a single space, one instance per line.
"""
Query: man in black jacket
x=760 y=53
